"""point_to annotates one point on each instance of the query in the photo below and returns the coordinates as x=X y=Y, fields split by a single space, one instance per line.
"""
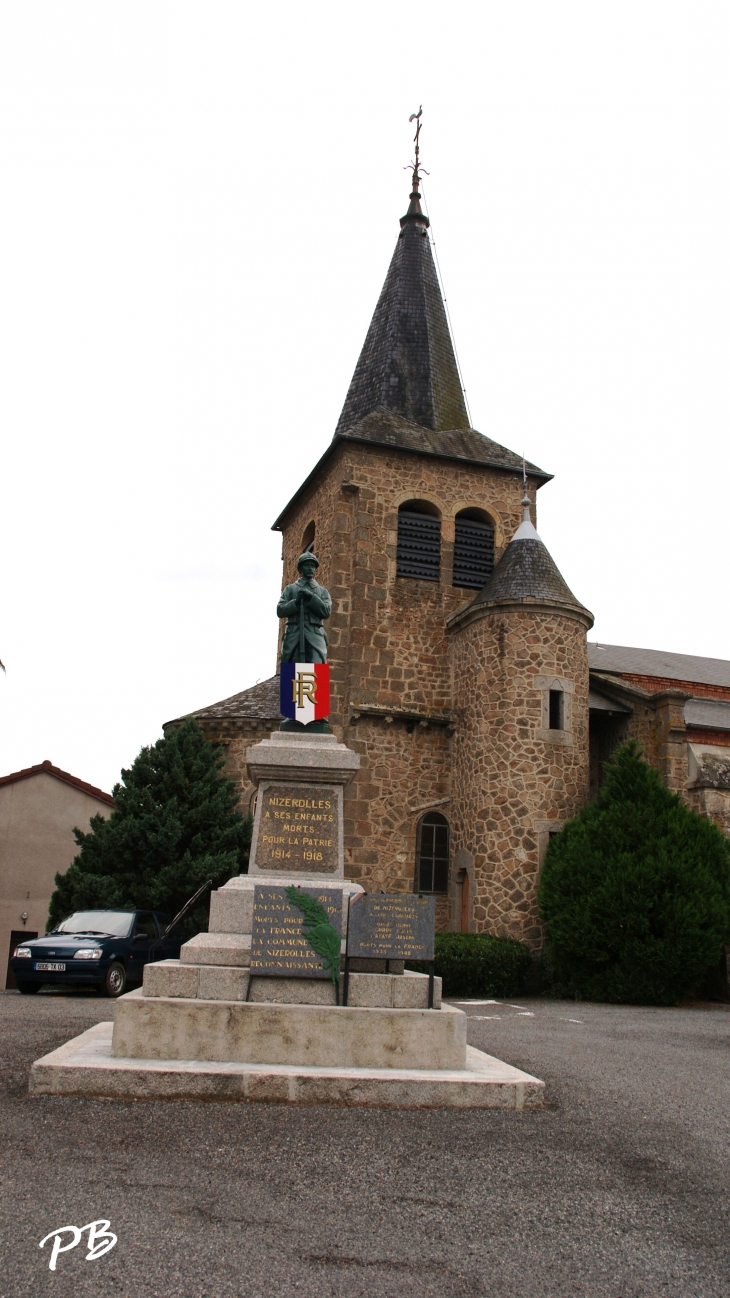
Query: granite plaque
x=280 y=945
x=396 y=926
x=297 y=828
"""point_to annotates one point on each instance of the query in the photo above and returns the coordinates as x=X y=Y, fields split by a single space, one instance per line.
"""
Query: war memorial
x=298 y=992
x=427 y=729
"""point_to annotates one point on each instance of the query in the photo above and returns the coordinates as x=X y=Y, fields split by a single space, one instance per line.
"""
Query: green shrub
x=175 y=824
x=635 y=892
x=477 y=964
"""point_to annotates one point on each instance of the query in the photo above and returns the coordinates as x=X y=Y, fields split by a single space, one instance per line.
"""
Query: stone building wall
x=712 y=803
x=405 y=770
x=513 y=778
x=387 y=635
x=388 y=641
x=656 y=723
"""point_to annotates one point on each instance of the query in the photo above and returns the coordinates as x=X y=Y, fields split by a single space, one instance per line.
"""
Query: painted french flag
x=305 y=691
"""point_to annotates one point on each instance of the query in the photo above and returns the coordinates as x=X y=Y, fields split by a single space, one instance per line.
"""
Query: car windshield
x=113 y=923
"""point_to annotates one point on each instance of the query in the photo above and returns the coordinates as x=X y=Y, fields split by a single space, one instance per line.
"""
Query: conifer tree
x=635 y=891
x=174 y=825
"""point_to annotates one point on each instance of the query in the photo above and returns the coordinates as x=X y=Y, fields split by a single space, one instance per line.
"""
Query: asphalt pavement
x=618 y=1189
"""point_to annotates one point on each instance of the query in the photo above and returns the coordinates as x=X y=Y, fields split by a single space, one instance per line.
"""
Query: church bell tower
x=408 y=510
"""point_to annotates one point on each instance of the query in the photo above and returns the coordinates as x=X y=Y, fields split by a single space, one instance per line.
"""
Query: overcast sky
x=199 y=205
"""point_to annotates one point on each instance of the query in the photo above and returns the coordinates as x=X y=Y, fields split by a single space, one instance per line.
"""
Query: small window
x=432 y=858
x=308 y=538
x=473 y=549
x=419 y=541
x=556 y=710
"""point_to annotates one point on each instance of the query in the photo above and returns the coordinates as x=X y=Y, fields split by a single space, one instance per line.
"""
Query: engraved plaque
x=396 y=926
x=279 y=945
x=297 y=828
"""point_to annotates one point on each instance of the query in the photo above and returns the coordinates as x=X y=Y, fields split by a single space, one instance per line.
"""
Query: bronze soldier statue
x=305 y=605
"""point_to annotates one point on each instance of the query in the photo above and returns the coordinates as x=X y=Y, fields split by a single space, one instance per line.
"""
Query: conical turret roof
x=407 y=365
x=527 y=572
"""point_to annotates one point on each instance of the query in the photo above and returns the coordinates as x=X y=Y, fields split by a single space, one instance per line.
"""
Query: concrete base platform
x=85 y=1066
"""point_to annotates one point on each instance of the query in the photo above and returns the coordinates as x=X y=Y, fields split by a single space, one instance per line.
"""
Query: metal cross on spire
x=417 y=168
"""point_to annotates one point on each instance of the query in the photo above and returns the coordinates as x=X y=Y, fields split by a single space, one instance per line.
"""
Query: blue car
x=106 y=949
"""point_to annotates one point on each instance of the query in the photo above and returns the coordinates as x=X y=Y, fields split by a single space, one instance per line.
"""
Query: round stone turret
x=520 y=749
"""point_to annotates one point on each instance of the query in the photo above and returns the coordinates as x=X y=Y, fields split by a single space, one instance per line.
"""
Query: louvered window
x=473 y=553
x=419 y=546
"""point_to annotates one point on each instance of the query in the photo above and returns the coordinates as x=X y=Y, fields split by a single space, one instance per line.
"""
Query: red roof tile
x=47 y=768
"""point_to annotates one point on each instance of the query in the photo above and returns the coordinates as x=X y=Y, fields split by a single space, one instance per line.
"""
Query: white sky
x=199 y=205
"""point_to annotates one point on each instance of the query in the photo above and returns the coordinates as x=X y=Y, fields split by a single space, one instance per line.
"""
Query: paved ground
x=619 y=1189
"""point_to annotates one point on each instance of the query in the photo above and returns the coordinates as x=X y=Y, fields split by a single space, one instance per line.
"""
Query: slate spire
x=407 y=365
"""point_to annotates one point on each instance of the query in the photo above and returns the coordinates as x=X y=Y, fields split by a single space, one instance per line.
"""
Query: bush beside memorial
x=175 y=824
x=479 y=964
x=635 y=892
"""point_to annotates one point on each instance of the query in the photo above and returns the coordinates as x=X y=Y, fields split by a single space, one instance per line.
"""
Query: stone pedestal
x=297 y=826
x=228 y=940
x=297 y=838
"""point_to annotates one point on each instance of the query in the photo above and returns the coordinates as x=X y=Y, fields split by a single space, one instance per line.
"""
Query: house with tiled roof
x=39 y=808
x=461 y=672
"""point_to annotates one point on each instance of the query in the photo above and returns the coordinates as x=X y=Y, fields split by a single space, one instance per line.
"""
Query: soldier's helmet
x=307 y=557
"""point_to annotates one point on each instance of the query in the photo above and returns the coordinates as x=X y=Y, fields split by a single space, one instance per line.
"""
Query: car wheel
x=116 y=980
x=27 y=989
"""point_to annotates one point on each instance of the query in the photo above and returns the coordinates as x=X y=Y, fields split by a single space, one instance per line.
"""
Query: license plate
x=50 y=968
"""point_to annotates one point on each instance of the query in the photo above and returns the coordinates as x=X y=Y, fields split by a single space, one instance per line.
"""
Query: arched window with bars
x=419 y=541
x=473 y=549
x=432 y=853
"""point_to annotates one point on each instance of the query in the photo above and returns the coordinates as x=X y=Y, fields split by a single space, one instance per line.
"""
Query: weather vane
x=416 y=166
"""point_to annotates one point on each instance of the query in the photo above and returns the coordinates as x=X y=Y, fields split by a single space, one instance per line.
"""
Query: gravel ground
x=618 y=1188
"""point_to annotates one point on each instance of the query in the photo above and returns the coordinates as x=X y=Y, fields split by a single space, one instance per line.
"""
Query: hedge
x=478 y=964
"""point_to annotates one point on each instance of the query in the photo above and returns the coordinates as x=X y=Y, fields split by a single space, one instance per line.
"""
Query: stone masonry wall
x=388 y=641
x=712 y=803
x=405 y=770
x=387 y=634
x=513 y=778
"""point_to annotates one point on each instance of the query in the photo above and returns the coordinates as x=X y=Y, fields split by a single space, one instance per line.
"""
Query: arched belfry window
x=419 y=541
x=432 y=853
x=308 y=538
x=473 y=549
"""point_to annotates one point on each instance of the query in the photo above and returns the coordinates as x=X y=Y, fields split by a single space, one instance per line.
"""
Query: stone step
x=158 y=1027
x=232 y=949
x=177 y=979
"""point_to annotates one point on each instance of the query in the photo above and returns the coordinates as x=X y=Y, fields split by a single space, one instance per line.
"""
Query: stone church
x=460 y=667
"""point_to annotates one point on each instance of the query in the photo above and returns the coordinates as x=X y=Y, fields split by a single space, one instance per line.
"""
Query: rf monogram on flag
x=305 y=691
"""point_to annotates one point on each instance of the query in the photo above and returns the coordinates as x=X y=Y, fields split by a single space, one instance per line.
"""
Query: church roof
x=527 y=572
x=260 y=701
x=383 y=428
x=407 y=364
x=624 y=660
